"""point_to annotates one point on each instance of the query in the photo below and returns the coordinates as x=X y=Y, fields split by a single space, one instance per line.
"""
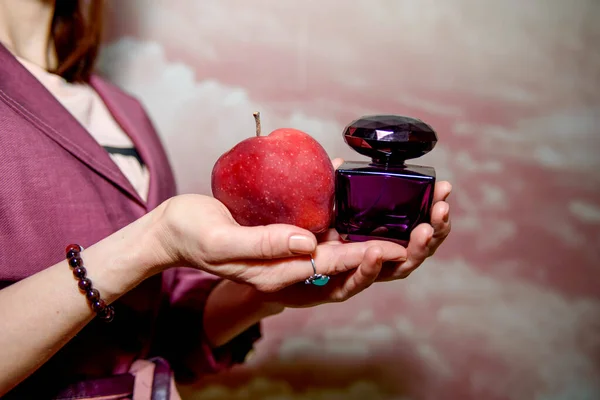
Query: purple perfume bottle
x=384 y=199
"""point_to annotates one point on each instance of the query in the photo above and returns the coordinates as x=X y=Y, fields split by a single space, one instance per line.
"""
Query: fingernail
x=446 y=215
x=301 y=244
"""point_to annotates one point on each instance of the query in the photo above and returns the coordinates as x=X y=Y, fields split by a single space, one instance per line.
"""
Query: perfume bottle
x=384 y=199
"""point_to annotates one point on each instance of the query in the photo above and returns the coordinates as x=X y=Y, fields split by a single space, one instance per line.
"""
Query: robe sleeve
x=180 y=336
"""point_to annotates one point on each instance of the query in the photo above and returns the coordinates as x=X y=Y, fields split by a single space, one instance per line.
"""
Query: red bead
x=92 y=295
x=75 y=247
x=99 y=306
x=75 y=262
x=71 y=254
x=108 y=314
x=85 y=284
x=79 y=272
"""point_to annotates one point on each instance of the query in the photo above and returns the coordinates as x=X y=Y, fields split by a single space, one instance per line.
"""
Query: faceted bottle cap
x=390 y=139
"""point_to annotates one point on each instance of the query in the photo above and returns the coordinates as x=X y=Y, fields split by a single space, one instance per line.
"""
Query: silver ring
x=316 y=279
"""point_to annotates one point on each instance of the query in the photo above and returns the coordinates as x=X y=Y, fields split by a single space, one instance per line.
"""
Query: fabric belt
x=119 y=387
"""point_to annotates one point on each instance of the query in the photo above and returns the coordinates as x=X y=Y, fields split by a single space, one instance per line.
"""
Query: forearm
x=230 y=309
x=43 y=312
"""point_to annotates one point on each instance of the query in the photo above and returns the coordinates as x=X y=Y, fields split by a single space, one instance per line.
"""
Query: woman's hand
x=424 y=241
x=199 y=231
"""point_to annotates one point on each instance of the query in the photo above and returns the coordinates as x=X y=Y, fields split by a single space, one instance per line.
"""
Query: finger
x=417 y=252
x=343 y=257
x=363 y=277
x=440 y=220
x=258 y=242
x=329 y=260
x=417 y=247
x=330 y=235
x=441 y=191
x=337 y=162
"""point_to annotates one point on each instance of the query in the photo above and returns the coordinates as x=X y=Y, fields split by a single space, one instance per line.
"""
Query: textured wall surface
x=509 y=308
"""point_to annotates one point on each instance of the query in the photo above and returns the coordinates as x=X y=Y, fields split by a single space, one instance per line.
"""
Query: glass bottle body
x=382 y=202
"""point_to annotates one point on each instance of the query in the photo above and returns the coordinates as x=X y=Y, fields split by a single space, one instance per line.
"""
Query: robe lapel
x=129 y=114
x=28 y=97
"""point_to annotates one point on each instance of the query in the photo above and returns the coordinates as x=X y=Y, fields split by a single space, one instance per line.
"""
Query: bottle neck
x=388 y=162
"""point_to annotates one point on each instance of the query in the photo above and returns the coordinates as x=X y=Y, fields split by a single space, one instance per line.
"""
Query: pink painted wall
x=510 y=306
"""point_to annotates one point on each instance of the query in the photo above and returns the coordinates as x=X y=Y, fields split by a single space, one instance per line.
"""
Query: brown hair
x=76 y=32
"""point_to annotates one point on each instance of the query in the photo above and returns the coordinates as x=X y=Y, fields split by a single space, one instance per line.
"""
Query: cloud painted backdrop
x=509 y=308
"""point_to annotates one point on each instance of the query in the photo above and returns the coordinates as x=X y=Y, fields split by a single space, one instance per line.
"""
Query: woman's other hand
x=375 y=267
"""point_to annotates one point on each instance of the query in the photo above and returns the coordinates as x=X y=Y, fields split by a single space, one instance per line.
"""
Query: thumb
x=337 y=162
x=263 y=242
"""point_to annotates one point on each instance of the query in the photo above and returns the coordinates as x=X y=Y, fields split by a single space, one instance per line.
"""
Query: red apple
x=285 y=177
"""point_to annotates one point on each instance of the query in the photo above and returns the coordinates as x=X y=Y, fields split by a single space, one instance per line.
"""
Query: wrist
x=258 y=302
x=241 y=305
x=254 y=301
x=151 y=247
x=129 y=256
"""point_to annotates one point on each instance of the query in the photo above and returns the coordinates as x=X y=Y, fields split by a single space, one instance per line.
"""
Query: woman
x=182 y=286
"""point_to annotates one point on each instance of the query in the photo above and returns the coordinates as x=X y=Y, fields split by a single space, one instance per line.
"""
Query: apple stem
x=257 y=119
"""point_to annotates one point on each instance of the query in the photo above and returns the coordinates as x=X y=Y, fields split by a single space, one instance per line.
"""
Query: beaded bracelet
x=104 y=311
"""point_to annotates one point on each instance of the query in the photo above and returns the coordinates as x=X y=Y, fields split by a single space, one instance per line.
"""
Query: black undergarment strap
x=125 y=151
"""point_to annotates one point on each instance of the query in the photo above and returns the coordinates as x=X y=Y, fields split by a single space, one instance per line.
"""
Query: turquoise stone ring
x=316 y=279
